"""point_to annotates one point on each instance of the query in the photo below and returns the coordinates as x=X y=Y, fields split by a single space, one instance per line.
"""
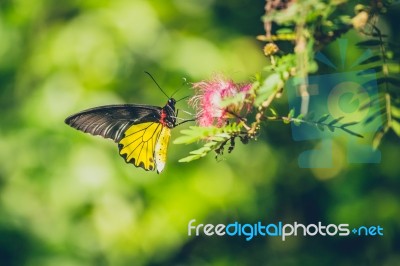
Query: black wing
x=111 y=121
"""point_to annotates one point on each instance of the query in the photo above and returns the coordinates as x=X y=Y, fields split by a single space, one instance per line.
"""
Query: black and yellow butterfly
x=141 y=131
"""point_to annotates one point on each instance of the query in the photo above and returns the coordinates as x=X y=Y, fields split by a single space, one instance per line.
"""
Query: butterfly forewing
x=112 y=121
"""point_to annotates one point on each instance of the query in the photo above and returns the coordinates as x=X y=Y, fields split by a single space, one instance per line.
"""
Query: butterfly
x=141 y=131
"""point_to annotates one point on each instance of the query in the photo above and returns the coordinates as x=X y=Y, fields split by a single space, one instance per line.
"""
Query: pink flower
x=209 y=98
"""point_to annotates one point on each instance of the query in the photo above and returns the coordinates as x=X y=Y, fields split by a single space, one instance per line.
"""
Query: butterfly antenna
x=156 y=83
x=183 y=98
x=183 y=83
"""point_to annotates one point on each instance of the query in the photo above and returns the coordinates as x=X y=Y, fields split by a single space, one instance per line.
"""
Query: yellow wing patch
x=160 y=153
x=145 y=145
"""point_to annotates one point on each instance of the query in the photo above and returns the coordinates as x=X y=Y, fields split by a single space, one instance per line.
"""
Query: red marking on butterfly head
x=163 y=117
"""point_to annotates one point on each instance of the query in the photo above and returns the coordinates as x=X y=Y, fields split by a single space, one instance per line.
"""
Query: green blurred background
x=67 y=198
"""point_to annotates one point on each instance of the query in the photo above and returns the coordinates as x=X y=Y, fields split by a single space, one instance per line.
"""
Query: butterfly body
x=141 y=131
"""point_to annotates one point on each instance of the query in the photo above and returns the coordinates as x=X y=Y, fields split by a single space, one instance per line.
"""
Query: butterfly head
x=168 y=115
x=171 y=103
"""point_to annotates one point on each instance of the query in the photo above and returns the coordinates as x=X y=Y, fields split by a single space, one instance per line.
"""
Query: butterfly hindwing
x=139 y=143
x=160 y=152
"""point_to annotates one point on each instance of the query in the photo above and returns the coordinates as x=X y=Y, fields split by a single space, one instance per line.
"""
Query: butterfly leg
x=184 y=120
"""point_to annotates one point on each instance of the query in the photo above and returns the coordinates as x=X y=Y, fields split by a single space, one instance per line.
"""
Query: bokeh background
x=67 y=198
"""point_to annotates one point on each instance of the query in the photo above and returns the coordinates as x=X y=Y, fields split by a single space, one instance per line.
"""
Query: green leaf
x=184 y=140
x=189 y=158
x=370 y=71
x=195 y=133
x=369 y=43
x=300 y=116
x=395 y=111
x=349 y=124
x=297 y=122
x=374 y=34
x=352 y=133
x=320 y=127
x=284 y=31
x=310 y=116
x=378 y=137
x=291 y=113
x=323 y=118
x=393 y=81
x=372 y=117
x=393 y=67
x=189 y=136
x=372 y=59
x=396 y=127
x=234 y=100
x=272 y=110
x=269 y=85
x=201 y=151
x=220 y=137
x=214 y=136
x=335 y=121
x=373 y=101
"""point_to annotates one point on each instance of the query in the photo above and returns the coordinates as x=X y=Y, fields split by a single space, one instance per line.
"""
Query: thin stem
x=302 y=62
x=243 y=120
x=260 y=113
